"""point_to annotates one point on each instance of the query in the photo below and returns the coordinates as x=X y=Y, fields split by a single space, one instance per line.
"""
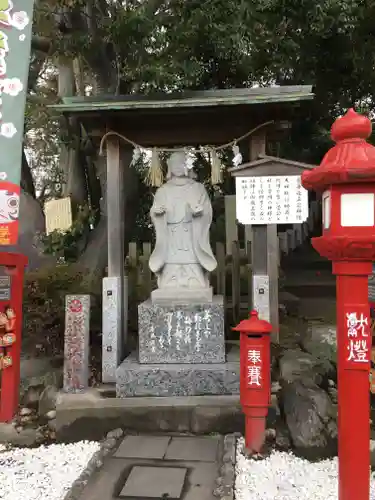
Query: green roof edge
x=228 y=97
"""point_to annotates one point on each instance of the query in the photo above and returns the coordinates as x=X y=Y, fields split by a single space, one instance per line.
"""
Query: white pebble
x=283 y=476
x=44 y=473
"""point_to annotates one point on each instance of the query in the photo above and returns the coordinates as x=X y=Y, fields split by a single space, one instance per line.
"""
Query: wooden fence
x=233 y=276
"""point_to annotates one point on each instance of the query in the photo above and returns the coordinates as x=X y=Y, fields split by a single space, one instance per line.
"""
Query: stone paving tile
x=200 y=482
x=108 y=482
x=143 y=447
x=200 y=449
x=154 y=482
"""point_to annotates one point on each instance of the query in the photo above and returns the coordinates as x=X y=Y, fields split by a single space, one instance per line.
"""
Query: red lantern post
x=255 y=378
x=346 y=177
x=11 y=289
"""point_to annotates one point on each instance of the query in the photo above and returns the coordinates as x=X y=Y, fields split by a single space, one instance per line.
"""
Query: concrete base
x=135 y=379
x=181 y=296
x=90 y=415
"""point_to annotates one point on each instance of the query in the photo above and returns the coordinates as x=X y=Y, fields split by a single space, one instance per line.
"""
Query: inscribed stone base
x=134 y=379
x=175 y=296
x=190 y=333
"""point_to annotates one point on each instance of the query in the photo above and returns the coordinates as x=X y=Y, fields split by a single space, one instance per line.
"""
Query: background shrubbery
x=44 y=306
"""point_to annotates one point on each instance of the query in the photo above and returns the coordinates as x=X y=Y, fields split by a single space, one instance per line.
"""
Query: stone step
x=90 y=416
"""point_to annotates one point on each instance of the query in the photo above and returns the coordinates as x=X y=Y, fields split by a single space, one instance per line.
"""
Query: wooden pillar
x=265 y=257
x=273 y=258
x=115 y=215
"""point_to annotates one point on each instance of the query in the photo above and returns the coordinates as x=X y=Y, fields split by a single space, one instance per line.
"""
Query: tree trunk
x=95 y=257
x=27 y=182
x=75 y=184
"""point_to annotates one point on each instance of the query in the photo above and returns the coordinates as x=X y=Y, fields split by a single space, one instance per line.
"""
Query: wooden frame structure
x=265 y=242
x=168 y=120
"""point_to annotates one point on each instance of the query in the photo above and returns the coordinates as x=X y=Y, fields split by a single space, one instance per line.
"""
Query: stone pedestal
x=176 y=296
x=136 y=379
x=190 y=333
x=181 y=353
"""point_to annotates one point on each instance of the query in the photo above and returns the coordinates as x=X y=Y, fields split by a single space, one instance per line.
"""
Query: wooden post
x=265 y=250
x=273 y=260
x=115 y=214
x=231 y=229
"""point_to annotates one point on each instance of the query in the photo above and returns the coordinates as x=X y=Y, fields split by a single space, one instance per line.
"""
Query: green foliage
x=44 y=304
x=67 y=245
x=137 y=46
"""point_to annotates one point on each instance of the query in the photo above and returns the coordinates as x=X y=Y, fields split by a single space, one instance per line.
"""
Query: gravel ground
x=44 y=473
x=282 y=476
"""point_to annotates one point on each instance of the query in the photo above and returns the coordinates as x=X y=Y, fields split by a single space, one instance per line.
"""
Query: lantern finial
x=351 y=126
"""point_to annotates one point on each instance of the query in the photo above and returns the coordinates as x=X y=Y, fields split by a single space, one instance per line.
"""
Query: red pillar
x=353 y=381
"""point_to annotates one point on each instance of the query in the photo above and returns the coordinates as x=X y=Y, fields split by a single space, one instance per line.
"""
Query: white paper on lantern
x=271 y=200
x=357 y=209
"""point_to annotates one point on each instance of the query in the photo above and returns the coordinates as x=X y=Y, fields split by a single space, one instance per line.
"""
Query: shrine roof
x=270 y=165
x=187 y=99
x=188 y=118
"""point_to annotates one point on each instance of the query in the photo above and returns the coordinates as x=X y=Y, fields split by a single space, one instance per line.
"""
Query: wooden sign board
x=58 y=215
x=271 y=200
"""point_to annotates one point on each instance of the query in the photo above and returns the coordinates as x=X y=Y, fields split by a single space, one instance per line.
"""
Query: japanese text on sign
x=254 y=367
x=357 y=325
x=183 y=329
x=271 y=200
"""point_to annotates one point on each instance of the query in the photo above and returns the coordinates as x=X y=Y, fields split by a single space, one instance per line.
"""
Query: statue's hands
x=197 y=210
x=159 y=210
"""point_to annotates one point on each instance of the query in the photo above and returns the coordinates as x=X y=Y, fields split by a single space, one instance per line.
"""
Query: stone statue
x=182 y=215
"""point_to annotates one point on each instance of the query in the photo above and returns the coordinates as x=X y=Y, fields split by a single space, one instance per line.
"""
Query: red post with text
x=12 y=267
x=346 y=179
x=255 y=378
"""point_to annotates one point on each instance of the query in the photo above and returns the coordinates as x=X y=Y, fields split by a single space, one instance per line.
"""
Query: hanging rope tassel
x=216 y=168
x=155 y=172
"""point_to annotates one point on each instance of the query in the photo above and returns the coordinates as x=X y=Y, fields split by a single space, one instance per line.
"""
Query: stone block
x=76 y=343
x=190 y=333
x=199 y=449
x=112 y=329
x=151 y=447
x=135 y=379
x=154 y=482
x=181 y=296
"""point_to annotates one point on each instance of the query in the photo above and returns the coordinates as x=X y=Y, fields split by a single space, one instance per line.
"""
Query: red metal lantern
x=255 y=378
x=346 y=177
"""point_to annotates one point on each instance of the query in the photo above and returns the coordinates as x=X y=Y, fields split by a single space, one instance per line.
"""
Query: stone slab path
x=166 y=467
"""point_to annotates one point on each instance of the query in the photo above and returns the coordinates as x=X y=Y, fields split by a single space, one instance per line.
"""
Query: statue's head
x=178 y=166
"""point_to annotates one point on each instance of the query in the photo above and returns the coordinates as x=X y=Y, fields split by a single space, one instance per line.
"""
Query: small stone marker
x=76 y=343
x=154 y=482
x=112 y=329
